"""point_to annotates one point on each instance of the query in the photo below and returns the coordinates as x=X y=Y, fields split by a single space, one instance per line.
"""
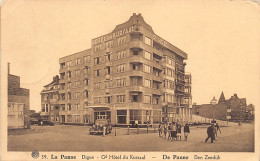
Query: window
x=147 y=83
x=108 y=57
x=157 y=100
x=62 y=75
x=69 y=95
x=121 y=116
x=135 y=115
x=63 y=96
x=156 y=73
x=77 y=61
x=170 y=61
x=135 y=52
x=147 y=69
x=148 y=41
x=109 y=44
x=62 y=65
x=69 y=107
x=77 y=95
x=147 y=99
x=62 y=86
x=97 y=72
x=135 y=67
x=77 y=106
x=97 y=100
x=121 y=54
x=77 y=118
x=47 y=107
x=121 y=40
x=120 y=82
x=135 y=81
x=86 y=82
x=120 y=98
x=85 y=94
x=108 y=70
x=121 y=68
x=108 y=84
x=147 y=55
x=63 y=107
x=98 y=47
x=134 y=98
x=69 y=63
x=97 y=85
x=96 y=60
x=86 y=71
x=69 y=74
x=77 y=83
x=108 y=99
x=86 y=59
x=77 y=72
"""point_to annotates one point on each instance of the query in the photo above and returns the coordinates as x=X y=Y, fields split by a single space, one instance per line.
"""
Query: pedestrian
x=104 y=131
x=169 y=131
x=186 y=131
x=178 y=131
x=165 y=130
x=160 y=129
x=217 y=129
x=214 y=132
x=173 y=131
x=210 y=132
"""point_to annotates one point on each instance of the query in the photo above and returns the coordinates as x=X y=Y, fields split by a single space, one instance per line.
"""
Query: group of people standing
x=172 y=131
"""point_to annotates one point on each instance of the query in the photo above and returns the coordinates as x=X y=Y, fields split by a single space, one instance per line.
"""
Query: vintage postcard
x=150 y=80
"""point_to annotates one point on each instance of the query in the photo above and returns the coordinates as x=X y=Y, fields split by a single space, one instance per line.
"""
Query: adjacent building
x=233 y=109
x=128 y=76
x=18 y=103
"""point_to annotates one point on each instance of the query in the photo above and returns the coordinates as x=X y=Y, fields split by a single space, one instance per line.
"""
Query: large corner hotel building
x=128 y=75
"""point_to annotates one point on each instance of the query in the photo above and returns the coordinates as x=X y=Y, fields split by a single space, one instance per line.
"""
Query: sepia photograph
x=130 y=80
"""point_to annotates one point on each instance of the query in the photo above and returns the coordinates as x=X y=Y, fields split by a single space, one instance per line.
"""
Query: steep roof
x=222 y=98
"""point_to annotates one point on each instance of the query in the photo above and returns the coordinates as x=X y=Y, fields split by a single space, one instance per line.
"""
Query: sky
x=221 y=38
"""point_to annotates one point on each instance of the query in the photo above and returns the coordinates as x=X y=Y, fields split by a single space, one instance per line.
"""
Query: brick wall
x=13 y=82
x=206 y=110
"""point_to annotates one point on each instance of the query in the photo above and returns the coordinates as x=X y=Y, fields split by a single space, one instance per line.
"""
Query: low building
x=50 y=106
x=233 y=109
x=18 y=103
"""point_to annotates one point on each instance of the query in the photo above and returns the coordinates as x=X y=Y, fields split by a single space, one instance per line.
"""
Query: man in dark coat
x=186 y=131
x=210 y=132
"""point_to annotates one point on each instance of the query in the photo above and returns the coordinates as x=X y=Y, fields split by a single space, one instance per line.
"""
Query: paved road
x=76 y=138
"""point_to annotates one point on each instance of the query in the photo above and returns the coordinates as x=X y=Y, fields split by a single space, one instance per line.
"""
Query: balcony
x=136 y=89
x=63 y=70
x=108 y=63
x=179 y=92
x=157 y=78
x=136 y=73
x=187 y=94
x=180 y=81
x=108 y=77
x=135 y=59
x=62 y=80
x=44 y=113
x=54 y=101
x=86 y=88
x=85 y=100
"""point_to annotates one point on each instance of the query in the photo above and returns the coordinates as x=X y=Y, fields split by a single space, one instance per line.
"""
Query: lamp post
x=213 y=102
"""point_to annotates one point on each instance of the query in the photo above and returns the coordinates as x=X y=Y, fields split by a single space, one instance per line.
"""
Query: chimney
x=8 y=68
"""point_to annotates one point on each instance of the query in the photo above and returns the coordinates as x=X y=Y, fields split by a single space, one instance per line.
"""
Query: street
x=233 y=138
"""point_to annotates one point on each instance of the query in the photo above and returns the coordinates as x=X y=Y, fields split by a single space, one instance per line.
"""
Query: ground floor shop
x=123 y=116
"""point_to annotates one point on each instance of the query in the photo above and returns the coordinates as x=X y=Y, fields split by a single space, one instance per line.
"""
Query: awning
x=99 y=107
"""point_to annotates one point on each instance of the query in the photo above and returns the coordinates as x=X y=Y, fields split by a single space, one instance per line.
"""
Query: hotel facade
x=128 y=76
